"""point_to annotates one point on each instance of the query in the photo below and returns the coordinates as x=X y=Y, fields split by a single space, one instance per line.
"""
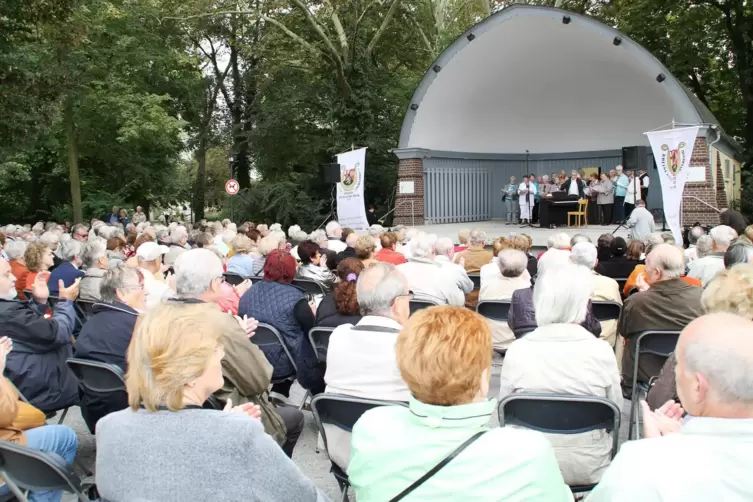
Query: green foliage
x=283 y=202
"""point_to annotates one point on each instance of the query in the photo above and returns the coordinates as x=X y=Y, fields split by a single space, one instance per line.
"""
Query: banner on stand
x=351 y=206
x=672 y=151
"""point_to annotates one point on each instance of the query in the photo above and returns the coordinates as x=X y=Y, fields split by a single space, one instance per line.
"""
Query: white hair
x=584 y=254
x=141 y=226
x=194 y=271
x=293 y=231
x=704 y=246
x=65 y=238
x=422 y=245
x=477 y=236
x=332 y=228
x=512 y=263
x=443 y=246
x=723 y=236
x=554 y=258
x=16 y=249
x=70 y=250
x=668 y=259
x=410 y=234
x=104 y=231
x=318 y=236
x=268 y=244
x=298 y=235
x=228 y=236
x=375 y=230
x=178 y=234
x=558 y=241
x=10 y=229
x=275 y=227
x=377 y=287
x=38 y=228
x=561 y=295
x=93 y=252
x=117 y=232
x=50 y=239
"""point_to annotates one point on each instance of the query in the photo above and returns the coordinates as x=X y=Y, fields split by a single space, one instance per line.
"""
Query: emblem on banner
x=672 y=160
x=349 y=177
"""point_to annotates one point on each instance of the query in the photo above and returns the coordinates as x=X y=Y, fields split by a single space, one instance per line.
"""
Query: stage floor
x=540 y=236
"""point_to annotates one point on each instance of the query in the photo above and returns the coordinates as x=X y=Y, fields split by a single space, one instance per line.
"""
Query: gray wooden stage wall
x=470 y=189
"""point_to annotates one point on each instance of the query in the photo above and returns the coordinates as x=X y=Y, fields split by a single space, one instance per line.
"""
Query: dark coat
x=668 y=306
x=618 y=267
x=65 y=272
x=36 y=365
x=581 y=187
x=327 y=315
x=522 y=316
x=280 y=306
x=346 y=253
x=734 y=219
x=533 y=265
x=105 y=338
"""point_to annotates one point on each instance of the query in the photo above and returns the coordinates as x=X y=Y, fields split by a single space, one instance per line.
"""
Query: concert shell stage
x=541 y=90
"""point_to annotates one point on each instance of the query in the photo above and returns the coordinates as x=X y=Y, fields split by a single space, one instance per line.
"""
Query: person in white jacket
x=562 y=357
x=633 y=193
x=444 y=249
x=527 y=195
x=429 y=280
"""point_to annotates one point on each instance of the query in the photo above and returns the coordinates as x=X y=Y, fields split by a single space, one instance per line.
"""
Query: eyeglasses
x=410 y=295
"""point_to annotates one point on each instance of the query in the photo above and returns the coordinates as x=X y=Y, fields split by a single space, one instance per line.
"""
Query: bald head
x=714 y=357
x=664 y=262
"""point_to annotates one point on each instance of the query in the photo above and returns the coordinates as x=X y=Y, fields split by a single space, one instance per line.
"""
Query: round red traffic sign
x=232 y=187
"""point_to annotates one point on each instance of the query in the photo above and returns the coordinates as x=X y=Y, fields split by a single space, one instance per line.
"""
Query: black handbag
x=437 y=467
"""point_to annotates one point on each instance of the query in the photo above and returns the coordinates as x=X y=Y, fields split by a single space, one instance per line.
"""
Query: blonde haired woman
x=365 y=250
x=241 y=262
x=165 y=446
x=444 y=355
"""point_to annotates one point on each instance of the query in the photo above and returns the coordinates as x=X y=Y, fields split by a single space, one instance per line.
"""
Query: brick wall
x=410 y=170
x=712 y=193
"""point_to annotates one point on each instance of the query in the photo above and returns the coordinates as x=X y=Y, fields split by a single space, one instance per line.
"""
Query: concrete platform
x=540 y=236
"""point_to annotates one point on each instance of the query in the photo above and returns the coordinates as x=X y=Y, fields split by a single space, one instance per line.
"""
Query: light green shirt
x=394 y=446
x=711 y=459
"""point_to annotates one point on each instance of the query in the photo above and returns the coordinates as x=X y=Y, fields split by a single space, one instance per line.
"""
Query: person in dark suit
x=70 y=269
x=574 y=187
x=734 y=219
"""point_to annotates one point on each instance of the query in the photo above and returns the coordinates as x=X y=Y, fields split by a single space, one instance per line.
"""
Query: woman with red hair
x=275 y=301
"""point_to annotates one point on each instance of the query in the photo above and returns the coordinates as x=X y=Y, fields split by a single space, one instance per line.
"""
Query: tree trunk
x=72 y=147
x=201 y=176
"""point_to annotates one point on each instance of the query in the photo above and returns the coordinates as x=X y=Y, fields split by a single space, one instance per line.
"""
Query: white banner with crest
x=672 y=150
x=351 y=206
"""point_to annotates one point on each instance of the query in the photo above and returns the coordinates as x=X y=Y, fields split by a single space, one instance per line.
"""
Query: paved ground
x=314 y=465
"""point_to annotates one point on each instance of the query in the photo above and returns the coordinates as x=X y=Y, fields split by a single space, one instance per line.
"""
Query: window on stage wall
x=727 y=171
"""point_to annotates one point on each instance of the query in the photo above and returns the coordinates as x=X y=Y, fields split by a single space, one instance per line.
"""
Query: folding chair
x=476 y=279
x=268 y=336
x=256 y=278
x=212 y=403
x=54 y=300
x=606 y=311
x=36 y=471
x=319 y=338
x=28 y=294
x=233 y=279
x=309 y=286
x=621 y=283
x=658 y=343
x=342 y=412
x=562 y=414
x=496 y=310
x=416 y=305
x=84 y=309
x=94 y=376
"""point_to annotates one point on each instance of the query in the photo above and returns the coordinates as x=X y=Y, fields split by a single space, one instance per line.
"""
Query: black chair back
x=309 y=286
x=268 y=336
x=54 y=300
x=233 y=279
x=94 y=376
x=497 y=310
x=416 y=305
x=476 y=279
x=28 y=294
x=84 y=308
x=37 y=471
x=562 y=414
x=621 y=283
x=212 y=403
x=319 y=338
x=606 y=311
x=633 y=291
x=256 y=278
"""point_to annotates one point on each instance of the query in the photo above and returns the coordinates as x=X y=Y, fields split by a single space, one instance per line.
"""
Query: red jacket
x=389 y=256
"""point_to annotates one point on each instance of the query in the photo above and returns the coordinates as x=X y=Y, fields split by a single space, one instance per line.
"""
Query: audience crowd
x=209 y=324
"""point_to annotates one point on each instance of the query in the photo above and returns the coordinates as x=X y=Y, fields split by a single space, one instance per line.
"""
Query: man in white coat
x=527 y=193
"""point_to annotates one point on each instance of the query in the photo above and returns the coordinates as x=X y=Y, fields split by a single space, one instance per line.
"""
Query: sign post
x=231 y=188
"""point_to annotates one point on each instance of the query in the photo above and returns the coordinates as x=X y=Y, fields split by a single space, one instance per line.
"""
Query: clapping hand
x=248 y=409
x=667 y=419
x=39 y=289
x=69 y=293
x=323 y=261
x=6 y=345
x=641 y=283
x=243 y=287
x=249 y=324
